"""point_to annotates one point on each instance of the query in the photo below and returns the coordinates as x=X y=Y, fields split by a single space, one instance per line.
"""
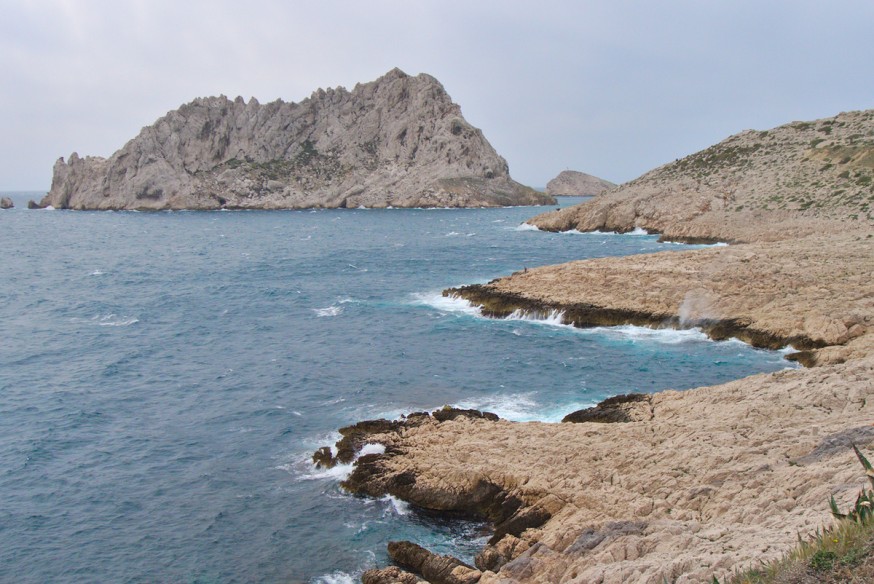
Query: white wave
x=398 y=507
x=445 y=303
x=452 y=234
x=372 y=448
x=526 y=227
x=109 y=320
x=338 y=473
x=554 y=318
x=329 y=311
x=48 y=208
x=336 y=578
x=518 y=407
x=668 y=336
x=638 y=231
x=96 y=273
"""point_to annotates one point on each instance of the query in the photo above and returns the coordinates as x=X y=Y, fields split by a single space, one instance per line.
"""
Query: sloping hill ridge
x=397 y=141
x=791 y=179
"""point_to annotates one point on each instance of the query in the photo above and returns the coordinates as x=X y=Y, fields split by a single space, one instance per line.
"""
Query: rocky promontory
x=677 y=486
x=576 y=183
x=398 y=141
x=793 y=180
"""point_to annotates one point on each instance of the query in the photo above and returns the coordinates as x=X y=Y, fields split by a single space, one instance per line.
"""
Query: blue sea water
x=165 y=377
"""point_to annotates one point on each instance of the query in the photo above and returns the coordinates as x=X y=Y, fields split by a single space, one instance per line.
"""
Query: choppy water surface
x=164 y=378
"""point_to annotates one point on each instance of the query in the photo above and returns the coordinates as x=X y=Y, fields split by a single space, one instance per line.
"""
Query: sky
x=613 y=88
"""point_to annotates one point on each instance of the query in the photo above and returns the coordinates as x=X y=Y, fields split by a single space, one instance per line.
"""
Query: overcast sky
x=611 y=87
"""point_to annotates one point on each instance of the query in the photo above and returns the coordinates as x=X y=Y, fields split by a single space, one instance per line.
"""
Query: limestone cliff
x=397 y=141
x=783 y=182
x=576 y=183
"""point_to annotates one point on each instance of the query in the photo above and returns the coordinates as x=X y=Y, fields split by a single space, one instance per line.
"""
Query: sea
x=165 y=378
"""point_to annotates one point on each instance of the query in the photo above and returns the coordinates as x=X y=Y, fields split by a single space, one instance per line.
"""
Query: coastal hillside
x=768 y=184
x=576 y=183
x=397 y=141
x=676 y=486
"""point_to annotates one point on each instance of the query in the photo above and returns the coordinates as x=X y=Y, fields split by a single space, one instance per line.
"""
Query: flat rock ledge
x=495 y=303
x=688 y=485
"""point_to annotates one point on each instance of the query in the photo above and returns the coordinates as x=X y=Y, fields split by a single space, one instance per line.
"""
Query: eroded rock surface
x=794 y=180
x=576 y=183
x=700 y=483
x=397 y=141
x=718 y=478
x=814 y=293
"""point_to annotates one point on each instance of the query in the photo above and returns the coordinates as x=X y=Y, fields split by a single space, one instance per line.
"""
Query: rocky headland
x=398 y=141
x=678 y=486
x=798 y=179
x=576 y=183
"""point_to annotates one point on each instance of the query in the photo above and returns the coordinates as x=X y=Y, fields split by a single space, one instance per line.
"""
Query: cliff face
x=397 y=141
x=574 y=182
x=788 y=181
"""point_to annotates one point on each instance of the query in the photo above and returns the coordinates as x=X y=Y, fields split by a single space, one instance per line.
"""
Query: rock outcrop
x=576 y=183
x=682 y=486
x=713 y=480
x=6 y=203
x=793 y=180
x=398 y=141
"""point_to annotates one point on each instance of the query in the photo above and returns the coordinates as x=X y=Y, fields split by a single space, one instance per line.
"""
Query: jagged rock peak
x=397 y=141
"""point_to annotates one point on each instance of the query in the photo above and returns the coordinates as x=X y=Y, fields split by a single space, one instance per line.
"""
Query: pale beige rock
x=817 y=287
x=703 y=482
x=576 y=183
x=797 y=179
x=720 y=478
x=6 y=203
x=398 y=141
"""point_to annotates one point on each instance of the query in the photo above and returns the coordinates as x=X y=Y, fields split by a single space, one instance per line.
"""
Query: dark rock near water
x=445 y=414
x=390 y=575
x=434 y=568
x=34 y=205
x=610 y=411
x=324 y=458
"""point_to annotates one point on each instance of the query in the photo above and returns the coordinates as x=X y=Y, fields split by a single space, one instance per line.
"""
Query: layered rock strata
x=712 y=480
x=794 y=180
x=576 y=183
x=398 y=141
x=680 y=486
x=814 y=294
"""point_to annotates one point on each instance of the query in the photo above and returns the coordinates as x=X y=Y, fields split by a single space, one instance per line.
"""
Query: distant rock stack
x=398 y=141
x=575 y=183
x=6 y=203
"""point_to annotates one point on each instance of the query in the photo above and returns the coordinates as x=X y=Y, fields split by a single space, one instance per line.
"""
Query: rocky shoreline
x=678 y=486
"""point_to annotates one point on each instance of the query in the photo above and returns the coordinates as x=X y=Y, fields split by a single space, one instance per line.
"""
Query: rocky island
x=398 y=141
x=576 y=183
x=678 y=486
